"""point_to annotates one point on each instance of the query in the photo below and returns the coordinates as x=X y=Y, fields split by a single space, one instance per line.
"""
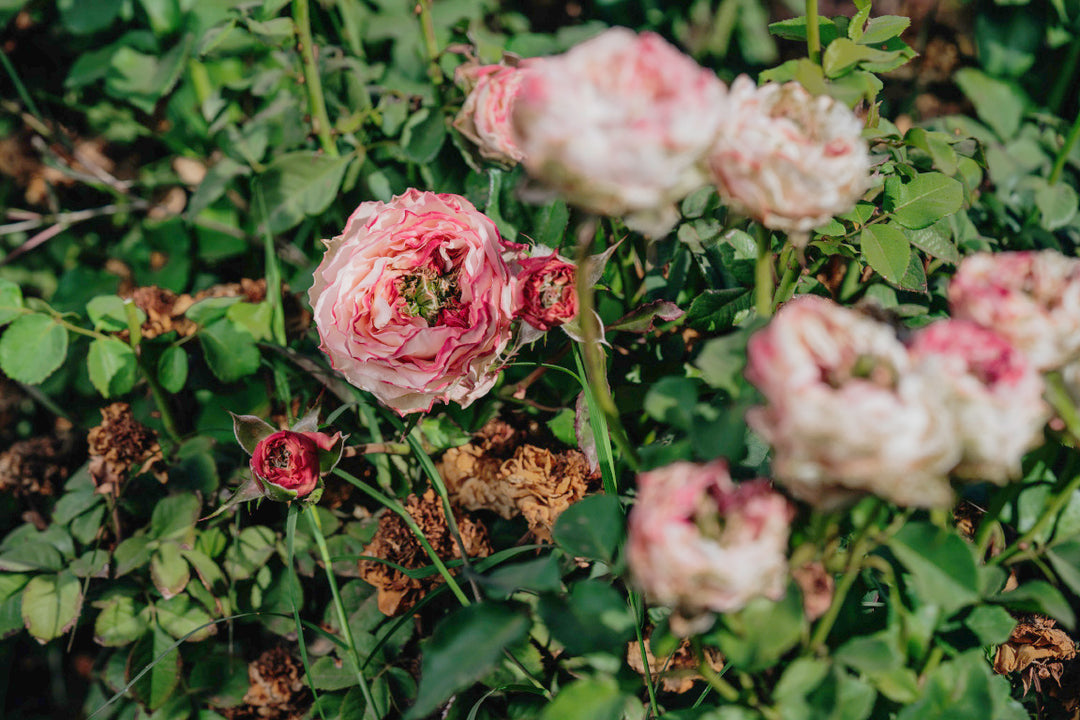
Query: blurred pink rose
x=788 y=159
x=1032 y=299
x=699 y=543
x=547 y=296
x=994 y=394
x=620 y=125
x=414 y=301
x=845 y=414
x=485 y=117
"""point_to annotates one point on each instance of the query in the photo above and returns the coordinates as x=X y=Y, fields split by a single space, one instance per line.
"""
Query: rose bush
x=414 y=302
x=699 y=543
x=845 y=414
x=994 y=394
x=620 y=125
x=786 y=158
x=485 y=118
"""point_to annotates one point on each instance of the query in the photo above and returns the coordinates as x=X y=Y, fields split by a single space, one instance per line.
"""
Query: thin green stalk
x=763 y=273
x=790 y=279
x=273 y=273
x=431 y=43
x=319 y=118
x=1066 y=150
x=161 y=400
x=1052 y=511
x=858 y=549
x=717 y=683
x=595 y=367
x=294 y=591
x=343 y=618
x=401 y=512
x=639 y=618
x=813 y=32
x=1064 y=76
x=19 y=87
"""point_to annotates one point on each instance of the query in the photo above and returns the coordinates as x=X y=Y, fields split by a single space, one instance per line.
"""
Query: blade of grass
x=273 y=273
x=294 y=587
x=339 y=607
x=598 y=423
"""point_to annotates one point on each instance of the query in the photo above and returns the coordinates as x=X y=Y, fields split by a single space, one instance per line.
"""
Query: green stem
x=294 y=592
x=813 y=32
x=1066 y=150
x=639 y=617
x=786 y=288
x=319 y=119
x=763 y=273
x=1064 y=77
x=1051 y=512
x=401 y=512
x=431 y=43
x=858 y=549
x=161 y=400
x=595 y=367
x=19 y=87
x=717 y=683
x=343 y=619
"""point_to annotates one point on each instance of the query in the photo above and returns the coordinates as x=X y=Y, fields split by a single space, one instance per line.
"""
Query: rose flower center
x=426 y=293
x=278 y=457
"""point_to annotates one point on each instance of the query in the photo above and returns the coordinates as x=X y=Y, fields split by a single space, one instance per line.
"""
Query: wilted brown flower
x=394 y=541
x=277 y=690
x=1036 y=649
x=676 y=671
x=119 y=444
x=817 y=587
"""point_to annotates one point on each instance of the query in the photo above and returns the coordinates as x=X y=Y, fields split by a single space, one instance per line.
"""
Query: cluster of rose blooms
x=856 y=406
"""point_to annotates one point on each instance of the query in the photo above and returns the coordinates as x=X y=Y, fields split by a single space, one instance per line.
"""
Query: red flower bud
x=547 y=296
x=289 y=461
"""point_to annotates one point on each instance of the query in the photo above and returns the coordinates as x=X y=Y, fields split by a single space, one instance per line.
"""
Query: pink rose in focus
x=414 y=301
x=485 y=117
x=994 y=394
x=547 y=296
x=699 y=543
x=788 y=159
x=289 y=461
x=620 y=125
x=844 y=413
x=1032 y=299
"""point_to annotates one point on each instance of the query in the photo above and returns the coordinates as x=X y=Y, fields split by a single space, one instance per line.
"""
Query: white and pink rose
x=485 y=118
x=414 y=301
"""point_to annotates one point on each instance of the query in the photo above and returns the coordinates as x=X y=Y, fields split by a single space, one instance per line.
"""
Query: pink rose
x=844 y=411
x=788 y=159
x=485 y=117
x=700 y=543
x=994 y=394
x=620 y=125
x=547 y=296
x=289 y=461
x=1032 y=299
x=414 y=301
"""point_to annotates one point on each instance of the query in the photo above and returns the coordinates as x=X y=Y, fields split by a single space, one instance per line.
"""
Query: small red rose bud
x=547 y=296
x=289 y=461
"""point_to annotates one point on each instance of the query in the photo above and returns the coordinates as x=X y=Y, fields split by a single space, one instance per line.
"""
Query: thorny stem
x=813 y=33
x=431 y=44
x=595 y=369
x=343 y=618
x=319 y=119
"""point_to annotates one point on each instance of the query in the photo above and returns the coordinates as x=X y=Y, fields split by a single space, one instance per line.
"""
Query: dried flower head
x=1036 y=649
x=678 y=670
x=277 y=690
x=119 y=444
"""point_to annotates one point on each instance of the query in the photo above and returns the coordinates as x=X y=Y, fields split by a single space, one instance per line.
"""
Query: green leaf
x=739 y=634
x=132 y=553
x=1057 y=205
x=51 y=604
x=92 y=563
x=990 y=623
x=936 y=145
x=299 y=184
x=842 y=55
x=588 y=699
x=174 y=518
x=941 y=564
x=999 y=104
x=464 y=647
x=883 y=28
x=169 y=571
x=154 y=654
x=887 y=250
x=230 y=353
x=539 y=575
x=591 y=528
x=671 y=400
x=108 y=313
x=178 y=616
x=249 y=552
x=1065 y=559
x=714 y=311
x=1038 y=596
x=164 y=15
x=83 y=18
x=121 y=621
x=112 y=366
x=551 y=224
x=253 y=317
x=423 y=135
x=32 y=348
x=594 y=617
x=142 y=79
x=924 y=200
x=935 y=240
x=172 y=368
x=11 y=301
x=33 y=555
